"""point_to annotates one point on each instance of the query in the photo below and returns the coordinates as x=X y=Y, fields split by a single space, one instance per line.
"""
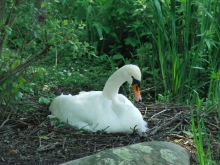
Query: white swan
x=103 y=110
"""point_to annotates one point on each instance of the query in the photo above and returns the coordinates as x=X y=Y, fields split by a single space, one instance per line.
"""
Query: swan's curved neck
x=113 y=84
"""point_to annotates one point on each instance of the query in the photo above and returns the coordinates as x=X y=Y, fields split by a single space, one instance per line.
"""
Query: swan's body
x=103 y=110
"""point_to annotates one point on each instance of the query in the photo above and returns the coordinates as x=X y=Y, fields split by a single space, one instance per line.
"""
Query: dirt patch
x=31 y=138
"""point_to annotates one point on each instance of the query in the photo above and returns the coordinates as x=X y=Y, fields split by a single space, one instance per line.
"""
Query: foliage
x=199 y=132
x=165 y=38
x=25 y=41
x=181 y=47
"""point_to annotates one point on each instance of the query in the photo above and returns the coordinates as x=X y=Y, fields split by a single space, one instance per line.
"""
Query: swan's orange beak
x=137 y=94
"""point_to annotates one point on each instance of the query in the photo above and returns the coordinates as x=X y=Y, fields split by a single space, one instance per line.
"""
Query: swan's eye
x=135 y=81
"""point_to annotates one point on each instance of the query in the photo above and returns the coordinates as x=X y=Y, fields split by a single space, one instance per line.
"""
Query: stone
x=151 y=153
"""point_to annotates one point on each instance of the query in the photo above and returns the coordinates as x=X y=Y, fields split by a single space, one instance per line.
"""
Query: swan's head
x=132 y=74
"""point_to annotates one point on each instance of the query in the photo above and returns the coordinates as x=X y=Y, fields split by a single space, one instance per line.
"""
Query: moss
x=123 y=153
x=142 y=148
x=168 y=155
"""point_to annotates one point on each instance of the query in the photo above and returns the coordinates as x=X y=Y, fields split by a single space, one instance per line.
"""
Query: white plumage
x=103 y=110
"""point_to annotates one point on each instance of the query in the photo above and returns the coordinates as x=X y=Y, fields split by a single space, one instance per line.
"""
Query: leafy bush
x=172 y=41
x=27 y=41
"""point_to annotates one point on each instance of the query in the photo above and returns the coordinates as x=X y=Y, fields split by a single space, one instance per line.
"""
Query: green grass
x=201 y=136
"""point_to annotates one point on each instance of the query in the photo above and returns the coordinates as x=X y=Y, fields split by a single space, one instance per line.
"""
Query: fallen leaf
x=12 y=152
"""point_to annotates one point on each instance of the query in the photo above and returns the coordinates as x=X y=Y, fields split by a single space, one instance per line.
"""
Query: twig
x=176 y=126
x=134 y=129
x=129 y=137
x=95 y=125
x=23 y=122
x=166 y=124
x=94 y=149
x=6 y=120
x=85 y=126
x=47 y=147
x=39 y=143
x=104 y=129
x=159 y=113
x=145 y=112
x=2 y=159
x=213 y=125
x=64 y=140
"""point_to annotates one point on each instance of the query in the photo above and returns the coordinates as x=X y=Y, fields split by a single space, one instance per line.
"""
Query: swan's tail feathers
x=145 y=126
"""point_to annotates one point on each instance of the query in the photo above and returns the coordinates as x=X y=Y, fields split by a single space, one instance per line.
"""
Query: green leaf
x=99 y=30
x=43 y=100
x=145 y=69
x=188 y=133
x=18 y=95
x=35 y=34
x=61 y=125
x=8 y=30
x=215 y=75
x=65 y=22
x=21 y=81
x=113 y=34
x=43 y=4
x=121 y=10
x=118 y=57
x=67 y=58
x=130 y=41
x=71 y=42
x=40 y=71
x=196 y=67
x=44 y=137
x=79 y=132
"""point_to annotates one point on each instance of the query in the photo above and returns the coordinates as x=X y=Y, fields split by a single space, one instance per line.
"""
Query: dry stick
x=166 y=124
x=104 y=129
x=6 y=120
x=145 y=112
x=33 y=131
x=159 y=113
x=39 y=143
x=24 y=122
x=213 y=125
x=129 y=137
x=64 y=140
x=134 y=129
x=47 y=147
x=95 y=125
x=85 y=126
x=175 y=126
x=2 y=159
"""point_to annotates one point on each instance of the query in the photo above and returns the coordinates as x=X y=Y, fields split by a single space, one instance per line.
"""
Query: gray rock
x=150 y=153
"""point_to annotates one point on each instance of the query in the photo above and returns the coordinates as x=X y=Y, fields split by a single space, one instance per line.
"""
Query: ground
x=31 y=138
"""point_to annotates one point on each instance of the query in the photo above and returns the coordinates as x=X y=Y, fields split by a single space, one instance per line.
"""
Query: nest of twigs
x=30 y=138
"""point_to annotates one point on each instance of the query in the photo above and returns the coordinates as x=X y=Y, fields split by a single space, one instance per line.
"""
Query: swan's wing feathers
x=124 y=100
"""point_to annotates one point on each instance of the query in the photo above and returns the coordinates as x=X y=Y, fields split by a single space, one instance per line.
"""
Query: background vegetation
x=46 y=45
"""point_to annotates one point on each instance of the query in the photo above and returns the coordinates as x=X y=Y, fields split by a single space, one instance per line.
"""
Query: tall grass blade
x=161 y=41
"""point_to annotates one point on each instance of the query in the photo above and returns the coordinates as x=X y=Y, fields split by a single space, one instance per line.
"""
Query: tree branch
x=24 y=65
